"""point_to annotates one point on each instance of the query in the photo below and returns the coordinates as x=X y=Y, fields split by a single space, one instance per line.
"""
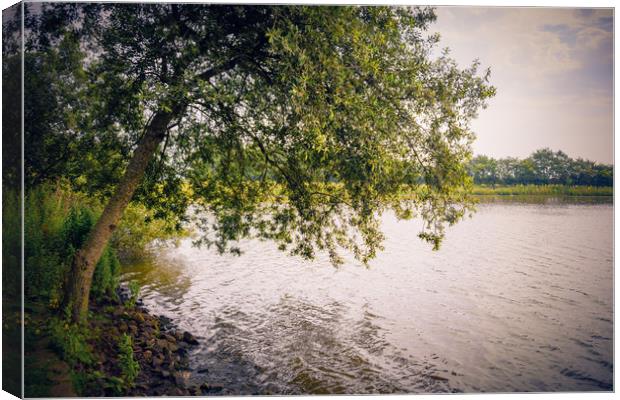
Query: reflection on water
x=519 y=298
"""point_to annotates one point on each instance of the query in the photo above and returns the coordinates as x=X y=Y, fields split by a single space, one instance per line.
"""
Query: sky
x=553 y=70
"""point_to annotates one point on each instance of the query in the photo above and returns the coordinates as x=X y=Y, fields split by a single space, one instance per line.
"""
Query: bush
x=129 y=366
x=107 y=275
x=46 y=262
x=96 y=383
x=107 y=272
x=134 y=291
x=57 y=222
x=70 y=340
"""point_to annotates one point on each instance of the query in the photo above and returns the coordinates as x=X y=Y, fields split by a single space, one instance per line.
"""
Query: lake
x=518 y=298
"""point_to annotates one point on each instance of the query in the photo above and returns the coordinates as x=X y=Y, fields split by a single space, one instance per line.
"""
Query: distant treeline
x=543 y=167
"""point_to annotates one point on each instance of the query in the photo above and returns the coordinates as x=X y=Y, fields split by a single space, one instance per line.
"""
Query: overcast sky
x=553 y=70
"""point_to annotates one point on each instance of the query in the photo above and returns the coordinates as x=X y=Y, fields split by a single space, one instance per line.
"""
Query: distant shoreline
x=541 y=190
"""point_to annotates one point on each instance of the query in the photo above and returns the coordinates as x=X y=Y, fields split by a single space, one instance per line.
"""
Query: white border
x=506 y=3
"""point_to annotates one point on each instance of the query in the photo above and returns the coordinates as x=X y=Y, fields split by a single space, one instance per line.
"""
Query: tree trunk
x=87 y=257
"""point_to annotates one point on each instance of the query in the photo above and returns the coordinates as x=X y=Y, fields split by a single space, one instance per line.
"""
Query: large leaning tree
x=297 y=124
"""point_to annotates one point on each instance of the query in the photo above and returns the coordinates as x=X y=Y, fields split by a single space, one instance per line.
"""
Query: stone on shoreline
x=189 y=338
x=160 y=348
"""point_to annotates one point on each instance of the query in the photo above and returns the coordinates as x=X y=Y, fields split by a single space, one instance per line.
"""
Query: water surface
x=519 y=298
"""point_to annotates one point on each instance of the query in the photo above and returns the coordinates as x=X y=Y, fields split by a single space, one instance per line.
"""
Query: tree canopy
x=297 y=124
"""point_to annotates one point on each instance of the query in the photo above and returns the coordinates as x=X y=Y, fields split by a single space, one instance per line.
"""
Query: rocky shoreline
x=159 y=347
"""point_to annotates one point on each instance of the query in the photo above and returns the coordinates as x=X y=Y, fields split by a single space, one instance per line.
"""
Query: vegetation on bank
x=541 y=190
x=57 y=220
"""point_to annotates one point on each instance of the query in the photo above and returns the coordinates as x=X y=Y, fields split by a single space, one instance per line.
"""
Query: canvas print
x=288 y=199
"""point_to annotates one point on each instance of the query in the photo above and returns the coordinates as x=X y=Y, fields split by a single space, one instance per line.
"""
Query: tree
x=550 y=167
x=291 y=123
x=484 y=170
x=542 y=167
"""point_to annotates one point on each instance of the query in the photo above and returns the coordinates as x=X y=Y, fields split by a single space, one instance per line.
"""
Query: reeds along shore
x=542 y=190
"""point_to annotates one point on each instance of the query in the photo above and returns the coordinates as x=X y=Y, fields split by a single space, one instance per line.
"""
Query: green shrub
x=78 y=224
x=129 y=366
x=71 y=342
x=45 y=253
x=96 y=383
x=134 y=290
x=57 y=222
x=106 y=276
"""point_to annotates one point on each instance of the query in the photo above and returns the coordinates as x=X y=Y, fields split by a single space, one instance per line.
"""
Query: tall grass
x=56 y=223
x=543 y=190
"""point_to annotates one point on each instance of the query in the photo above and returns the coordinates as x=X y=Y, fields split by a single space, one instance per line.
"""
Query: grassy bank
x=106 y=356
x=542 y=190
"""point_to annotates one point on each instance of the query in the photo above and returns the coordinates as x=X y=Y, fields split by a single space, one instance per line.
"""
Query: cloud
x=606 y=23
x=553 y=68
x=540 y=40
x=591 y=38
x=565 y=33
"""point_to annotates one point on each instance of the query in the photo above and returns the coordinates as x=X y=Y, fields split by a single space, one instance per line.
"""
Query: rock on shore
x=159 y=347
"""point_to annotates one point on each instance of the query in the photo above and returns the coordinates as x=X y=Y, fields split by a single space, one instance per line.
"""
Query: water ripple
x=519 y=298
